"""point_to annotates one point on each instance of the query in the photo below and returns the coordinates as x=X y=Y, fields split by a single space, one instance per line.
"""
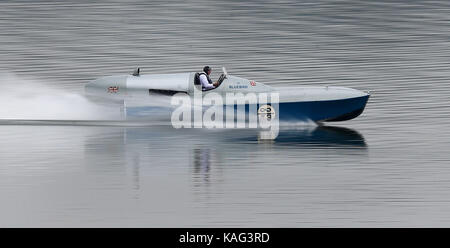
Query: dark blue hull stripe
x=322 y=110
x=333 y=110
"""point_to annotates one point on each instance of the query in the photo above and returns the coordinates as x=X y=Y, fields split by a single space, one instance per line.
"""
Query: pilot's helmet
x=206 y=69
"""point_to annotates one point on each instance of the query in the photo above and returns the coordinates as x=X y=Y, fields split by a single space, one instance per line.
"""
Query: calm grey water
x=387 y=168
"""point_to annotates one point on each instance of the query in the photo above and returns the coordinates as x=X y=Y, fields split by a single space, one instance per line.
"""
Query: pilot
x=205 y=81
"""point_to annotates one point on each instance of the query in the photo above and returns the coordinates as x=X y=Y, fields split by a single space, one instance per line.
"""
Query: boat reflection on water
x=315 y=136
x=210 y=153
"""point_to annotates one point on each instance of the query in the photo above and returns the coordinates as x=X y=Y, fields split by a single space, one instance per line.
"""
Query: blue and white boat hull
x=321 y=104
x=317 y=111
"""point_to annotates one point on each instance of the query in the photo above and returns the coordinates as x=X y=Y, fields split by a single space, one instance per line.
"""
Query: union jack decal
x=113 y=89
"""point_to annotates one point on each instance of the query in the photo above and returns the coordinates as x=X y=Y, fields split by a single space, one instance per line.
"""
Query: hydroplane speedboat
x=137 y=93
